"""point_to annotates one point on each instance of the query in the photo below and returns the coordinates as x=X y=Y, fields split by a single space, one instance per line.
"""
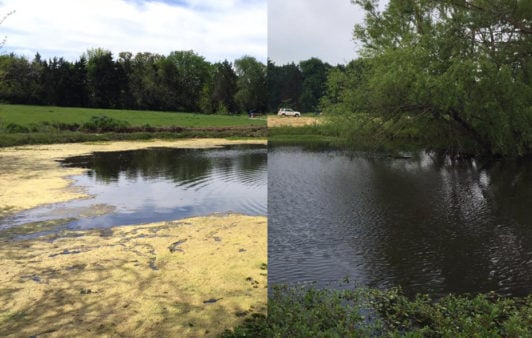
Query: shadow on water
x=151 y=185
x=419 y=221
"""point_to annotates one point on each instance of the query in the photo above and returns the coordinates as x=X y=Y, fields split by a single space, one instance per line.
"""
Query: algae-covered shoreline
x=188 y=277
x=192 y=277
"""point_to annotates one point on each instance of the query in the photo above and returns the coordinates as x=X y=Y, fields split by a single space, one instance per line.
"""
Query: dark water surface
x=424 y=223
x=158 y=184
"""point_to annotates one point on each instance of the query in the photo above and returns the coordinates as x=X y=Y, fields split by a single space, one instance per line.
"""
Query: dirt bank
x=30 y=175
x=186 y=278
x=278 y=121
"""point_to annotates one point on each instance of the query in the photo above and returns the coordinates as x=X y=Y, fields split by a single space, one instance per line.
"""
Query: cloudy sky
x=282 y=30
x=317 y=28
x=214 y=29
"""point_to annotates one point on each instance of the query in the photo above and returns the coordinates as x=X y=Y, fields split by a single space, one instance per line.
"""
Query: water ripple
x=425 y=224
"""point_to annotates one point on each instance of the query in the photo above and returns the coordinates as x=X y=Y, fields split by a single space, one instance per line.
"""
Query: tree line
x=179 y=81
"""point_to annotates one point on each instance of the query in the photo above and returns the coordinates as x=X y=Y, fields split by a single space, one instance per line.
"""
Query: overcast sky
x=301 y=29
x=214 y=29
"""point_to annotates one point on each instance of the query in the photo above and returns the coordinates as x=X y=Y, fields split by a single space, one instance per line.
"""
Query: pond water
x=156 y=184
x=423 y=223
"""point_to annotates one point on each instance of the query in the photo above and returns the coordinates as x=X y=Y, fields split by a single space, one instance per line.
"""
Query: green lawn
x=25 y=115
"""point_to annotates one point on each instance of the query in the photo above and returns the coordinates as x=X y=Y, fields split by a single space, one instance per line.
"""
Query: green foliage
x=105 y=79
x=295 y=311
x=460 y=69
x=298 y=86
x=224 y=88
x=251 y=84
x=181 y=81
x=104 y=123
x=308 y=312
x=310 y=136
x=188 y=76
x=16 y=128
x=482 y=315
x=314 y=73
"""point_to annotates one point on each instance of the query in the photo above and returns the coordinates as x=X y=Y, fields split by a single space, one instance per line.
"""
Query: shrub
x=295 y=311
x=13 y=128
x=104 y=123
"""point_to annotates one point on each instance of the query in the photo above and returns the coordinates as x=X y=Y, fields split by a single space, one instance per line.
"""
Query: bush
x=13 y=128
x=295 y=311
x=104 y=123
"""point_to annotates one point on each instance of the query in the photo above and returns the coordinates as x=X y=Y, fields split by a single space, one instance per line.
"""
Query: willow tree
x=461 y=66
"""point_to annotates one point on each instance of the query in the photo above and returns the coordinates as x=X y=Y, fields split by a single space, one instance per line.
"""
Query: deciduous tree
x=464 y=65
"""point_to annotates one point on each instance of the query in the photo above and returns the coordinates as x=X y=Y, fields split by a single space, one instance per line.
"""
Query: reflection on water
x=423 y=223
x=158 y=184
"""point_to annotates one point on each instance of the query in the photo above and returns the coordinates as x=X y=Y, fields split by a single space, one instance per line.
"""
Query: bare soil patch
x=279 y=121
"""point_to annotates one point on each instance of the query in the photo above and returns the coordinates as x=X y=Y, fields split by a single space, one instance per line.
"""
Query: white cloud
x=301 y=29
x=217 y=30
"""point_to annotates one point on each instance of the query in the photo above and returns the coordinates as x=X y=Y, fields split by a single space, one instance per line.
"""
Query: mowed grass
x=26 y=115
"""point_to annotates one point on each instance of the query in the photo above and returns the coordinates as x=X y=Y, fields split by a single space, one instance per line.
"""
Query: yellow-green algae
x=135 y=281
x=187 y=278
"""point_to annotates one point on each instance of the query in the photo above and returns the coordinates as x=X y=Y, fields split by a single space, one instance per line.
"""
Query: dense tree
x=463 y=66
x=16 y=83
x=188 y=76
x=217 y=95
x=181 y=81
x=314 y=73
x=224 y=87
x=143 y=81
x=251 y=84
x=106 y=80
x=298 y=86
x=284 y=86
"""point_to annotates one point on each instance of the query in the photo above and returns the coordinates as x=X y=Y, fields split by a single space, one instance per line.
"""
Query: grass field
x=27 y=115
x=23 y=124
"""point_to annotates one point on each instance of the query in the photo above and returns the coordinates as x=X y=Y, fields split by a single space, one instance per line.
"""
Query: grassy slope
x=26 y=115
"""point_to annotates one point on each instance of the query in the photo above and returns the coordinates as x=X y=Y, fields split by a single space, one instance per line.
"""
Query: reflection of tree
x=442 y=223
x=177 y=164
x=427 y=224
x=509 y=185
x=252 y=162
x=180 y=165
